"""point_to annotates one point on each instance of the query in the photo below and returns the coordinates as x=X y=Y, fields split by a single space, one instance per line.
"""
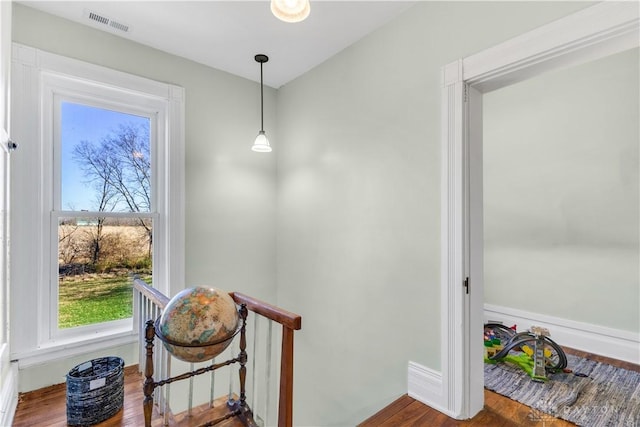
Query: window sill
x=73 y=347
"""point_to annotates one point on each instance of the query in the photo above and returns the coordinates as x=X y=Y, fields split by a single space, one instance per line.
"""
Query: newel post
x=149 y=384
x=285 y=402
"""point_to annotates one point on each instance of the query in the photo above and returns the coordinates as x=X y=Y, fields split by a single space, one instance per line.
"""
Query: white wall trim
x=610 y=342
x=597 y=31
x=92 y=73
x=8 y=371
x=73 y=348
x=176 y=184
x=454 y=268
x=425 y=385
x=588 y=34
x=9 y=396
x=37 y=74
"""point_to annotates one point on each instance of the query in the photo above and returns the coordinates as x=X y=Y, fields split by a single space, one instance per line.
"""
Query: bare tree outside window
x=108 y=172
x=119 y=170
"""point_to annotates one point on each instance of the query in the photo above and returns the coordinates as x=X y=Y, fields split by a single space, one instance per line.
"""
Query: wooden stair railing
x=149 y=303
x=290 y=322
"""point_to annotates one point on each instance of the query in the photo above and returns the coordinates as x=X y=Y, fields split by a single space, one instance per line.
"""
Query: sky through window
x=86 y=123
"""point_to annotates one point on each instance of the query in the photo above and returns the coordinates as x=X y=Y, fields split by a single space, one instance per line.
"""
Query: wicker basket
x=95 y=391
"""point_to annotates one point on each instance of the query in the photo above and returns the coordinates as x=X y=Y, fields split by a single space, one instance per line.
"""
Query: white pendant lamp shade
x=290 y=10
x=261 y=144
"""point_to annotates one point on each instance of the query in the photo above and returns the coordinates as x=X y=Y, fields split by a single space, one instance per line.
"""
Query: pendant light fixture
x=290 y=10
x=261 y=144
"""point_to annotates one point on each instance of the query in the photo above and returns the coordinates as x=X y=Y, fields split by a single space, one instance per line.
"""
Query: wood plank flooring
x=47 y=407
x=499 y=411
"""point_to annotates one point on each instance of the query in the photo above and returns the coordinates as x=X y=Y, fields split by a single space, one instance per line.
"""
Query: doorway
x=560 y=197
x=595 y=32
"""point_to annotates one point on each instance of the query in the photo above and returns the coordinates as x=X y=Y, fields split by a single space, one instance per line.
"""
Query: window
x=103 y=212
x=97 y=198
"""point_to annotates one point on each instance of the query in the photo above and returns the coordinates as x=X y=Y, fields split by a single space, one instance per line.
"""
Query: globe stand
x=236 y=408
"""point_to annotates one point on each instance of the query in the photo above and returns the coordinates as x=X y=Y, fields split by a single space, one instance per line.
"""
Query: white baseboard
x=615 y=343
x=425 y=385
x=9 y=397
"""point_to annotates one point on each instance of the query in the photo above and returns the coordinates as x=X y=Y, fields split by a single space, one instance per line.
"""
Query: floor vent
x=101 y=19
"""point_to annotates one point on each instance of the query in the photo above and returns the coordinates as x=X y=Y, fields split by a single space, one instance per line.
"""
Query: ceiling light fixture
x=290 y=10
x=261 y=144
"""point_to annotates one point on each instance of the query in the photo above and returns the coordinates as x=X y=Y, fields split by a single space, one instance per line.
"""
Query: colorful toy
x=534 y=352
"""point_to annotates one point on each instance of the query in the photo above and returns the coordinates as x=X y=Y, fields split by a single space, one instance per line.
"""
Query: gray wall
x=359 y=203
x=561 y=194
x=230 y=191
x=358 y=150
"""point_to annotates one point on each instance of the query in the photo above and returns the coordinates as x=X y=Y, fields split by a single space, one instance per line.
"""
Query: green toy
x=521 y=360
x=535 y=353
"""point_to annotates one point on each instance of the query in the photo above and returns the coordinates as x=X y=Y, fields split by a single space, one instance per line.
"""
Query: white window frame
x=57 y=89
x=43 y=80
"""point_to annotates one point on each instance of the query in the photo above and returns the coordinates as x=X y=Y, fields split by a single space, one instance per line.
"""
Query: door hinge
x=466 y=285
x=466 y=93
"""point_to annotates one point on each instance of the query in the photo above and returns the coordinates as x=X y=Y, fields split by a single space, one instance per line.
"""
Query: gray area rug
x=599 y=396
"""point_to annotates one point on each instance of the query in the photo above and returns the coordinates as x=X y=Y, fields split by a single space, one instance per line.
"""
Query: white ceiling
x=227 y=34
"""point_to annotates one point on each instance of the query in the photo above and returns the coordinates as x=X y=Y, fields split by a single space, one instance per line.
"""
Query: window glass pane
x=97 y=259
x=105 y=160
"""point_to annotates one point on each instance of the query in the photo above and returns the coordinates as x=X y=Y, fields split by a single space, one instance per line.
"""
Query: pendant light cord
x=261 y=101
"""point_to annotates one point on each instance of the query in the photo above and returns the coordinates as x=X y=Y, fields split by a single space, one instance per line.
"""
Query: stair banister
x=290 y=322
x=148 y=300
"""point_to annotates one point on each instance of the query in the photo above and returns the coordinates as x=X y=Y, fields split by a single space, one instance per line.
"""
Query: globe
x=204 y=319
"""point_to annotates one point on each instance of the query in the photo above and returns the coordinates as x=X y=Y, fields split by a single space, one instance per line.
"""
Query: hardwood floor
x=499 y=411
x=47 y=407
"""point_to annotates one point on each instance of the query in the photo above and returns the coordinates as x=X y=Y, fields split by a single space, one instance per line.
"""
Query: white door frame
x=595 y=32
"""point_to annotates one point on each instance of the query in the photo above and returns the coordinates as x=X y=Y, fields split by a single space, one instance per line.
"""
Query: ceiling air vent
x=104 y=20
x=118 y=26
